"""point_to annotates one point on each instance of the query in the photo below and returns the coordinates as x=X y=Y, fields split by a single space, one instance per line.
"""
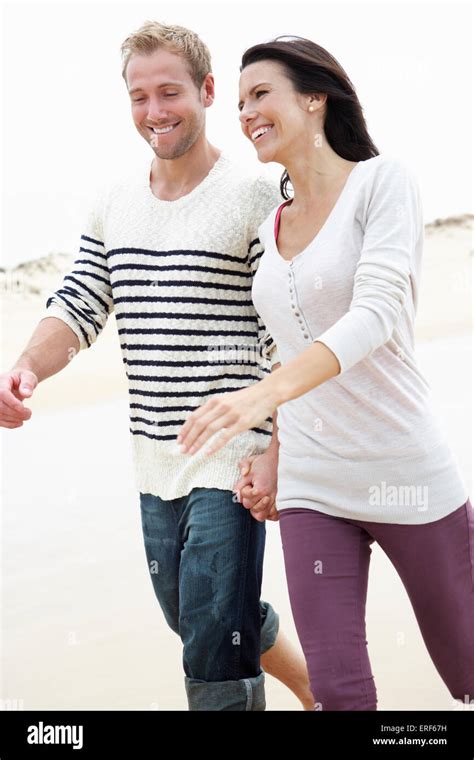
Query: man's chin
x=171 y=152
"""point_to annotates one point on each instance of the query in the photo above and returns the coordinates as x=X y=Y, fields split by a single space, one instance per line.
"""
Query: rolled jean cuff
x=270 y=626
x=247 y=694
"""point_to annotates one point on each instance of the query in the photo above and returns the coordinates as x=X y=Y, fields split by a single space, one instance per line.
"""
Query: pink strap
x=276 y=228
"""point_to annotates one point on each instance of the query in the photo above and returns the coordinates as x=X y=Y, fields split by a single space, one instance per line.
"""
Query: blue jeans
x=205 y=557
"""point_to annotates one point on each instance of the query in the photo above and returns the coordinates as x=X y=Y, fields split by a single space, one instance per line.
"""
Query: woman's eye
x=257 y=95
x=138 y=100
x=171 y=94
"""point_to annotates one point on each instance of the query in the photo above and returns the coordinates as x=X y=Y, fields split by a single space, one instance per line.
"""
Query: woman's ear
x=317 y=101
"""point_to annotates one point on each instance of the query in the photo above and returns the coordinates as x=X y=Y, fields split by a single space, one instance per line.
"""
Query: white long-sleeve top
x=365 y=444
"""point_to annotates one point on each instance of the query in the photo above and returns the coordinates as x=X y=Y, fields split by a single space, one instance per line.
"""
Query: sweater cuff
x=274 y=358
x=57 y=311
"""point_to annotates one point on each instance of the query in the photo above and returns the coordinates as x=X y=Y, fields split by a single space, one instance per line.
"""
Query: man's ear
x=208 y=90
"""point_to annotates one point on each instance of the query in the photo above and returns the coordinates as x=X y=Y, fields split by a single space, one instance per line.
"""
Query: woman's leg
x=327 y=564
x=436 y=564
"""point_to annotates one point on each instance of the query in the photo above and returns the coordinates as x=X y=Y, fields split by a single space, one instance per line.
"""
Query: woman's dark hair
x=312 y=69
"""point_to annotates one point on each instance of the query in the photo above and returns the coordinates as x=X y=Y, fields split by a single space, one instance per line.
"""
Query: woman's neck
x=315 y=174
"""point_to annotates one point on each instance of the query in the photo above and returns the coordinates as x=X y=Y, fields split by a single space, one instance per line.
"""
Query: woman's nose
x=246 y=115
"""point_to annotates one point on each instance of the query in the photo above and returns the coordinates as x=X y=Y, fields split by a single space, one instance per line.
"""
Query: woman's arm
x=235 y=412
x=381 y=285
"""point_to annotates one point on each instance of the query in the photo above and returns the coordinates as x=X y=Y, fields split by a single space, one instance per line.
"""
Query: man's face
x=167 y=107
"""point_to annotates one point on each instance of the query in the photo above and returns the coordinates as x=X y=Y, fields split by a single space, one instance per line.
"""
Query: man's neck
x=170 y=179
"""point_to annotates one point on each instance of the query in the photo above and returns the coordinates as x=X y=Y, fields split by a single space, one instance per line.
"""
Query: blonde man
x=172 y=250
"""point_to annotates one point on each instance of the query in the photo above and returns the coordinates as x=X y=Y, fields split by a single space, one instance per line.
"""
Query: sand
x=80 y=625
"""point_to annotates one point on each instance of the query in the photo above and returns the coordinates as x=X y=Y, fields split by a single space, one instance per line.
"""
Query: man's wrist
x=23 y=364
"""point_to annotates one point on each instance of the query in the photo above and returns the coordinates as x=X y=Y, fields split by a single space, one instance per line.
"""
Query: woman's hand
x=229 y=415
x=244 y=409
x=257 y=487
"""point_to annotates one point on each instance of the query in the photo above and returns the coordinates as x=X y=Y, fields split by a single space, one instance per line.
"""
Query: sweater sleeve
x=393 y=226
x=265 y=197
x=84 y=299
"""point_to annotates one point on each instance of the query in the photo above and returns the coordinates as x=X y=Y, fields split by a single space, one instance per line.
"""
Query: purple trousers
x=327 y=566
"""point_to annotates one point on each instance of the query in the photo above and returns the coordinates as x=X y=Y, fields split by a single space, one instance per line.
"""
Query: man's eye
x=171 y=94
x=138 y=100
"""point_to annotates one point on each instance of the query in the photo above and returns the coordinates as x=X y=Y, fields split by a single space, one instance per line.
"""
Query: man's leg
x=219 y=589
x=163 y=546
x=286 y=662
x=160 y=524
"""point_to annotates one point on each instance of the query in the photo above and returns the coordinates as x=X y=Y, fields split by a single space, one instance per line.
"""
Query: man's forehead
x=163 y=66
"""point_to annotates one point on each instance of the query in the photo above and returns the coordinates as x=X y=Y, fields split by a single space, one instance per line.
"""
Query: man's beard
x=181 y=147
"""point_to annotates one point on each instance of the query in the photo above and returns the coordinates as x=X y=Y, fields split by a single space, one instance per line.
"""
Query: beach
x=80 y=625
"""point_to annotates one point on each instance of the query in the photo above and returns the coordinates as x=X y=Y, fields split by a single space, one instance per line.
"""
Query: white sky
x=67 y=124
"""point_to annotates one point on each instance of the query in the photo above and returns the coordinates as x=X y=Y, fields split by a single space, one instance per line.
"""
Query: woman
x=361 y=456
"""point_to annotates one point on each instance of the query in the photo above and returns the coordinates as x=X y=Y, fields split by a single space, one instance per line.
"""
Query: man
x=172 y=250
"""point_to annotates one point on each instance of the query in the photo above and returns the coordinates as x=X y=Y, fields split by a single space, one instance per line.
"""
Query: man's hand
x=15 y=385
x=257 y=486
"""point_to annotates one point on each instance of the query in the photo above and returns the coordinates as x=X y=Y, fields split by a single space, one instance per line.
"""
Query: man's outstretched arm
x=50 y=349
x=75 y=315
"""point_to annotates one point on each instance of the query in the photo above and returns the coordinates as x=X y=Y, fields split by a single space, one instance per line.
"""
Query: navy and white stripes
x=178 y=277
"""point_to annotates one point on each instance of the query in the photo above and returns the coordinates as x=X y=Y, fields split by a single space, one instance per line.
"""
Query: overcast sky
x=67 y=123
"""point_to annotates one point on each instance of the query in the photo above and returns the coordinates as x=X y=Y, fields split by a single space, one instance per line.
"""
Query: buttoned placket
x=295 y=308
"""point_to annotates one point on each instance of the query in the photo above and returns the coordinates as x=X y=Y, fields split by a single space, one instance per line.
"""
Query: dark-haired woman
x=362 y=458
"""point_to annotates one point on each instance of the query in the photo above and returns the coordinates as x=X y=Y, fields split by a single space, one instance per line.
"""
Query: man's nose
x=156 y=111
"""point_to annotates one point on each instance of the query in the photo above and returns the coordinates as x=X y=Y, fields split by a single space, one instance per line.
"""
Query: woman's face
x=273 y=116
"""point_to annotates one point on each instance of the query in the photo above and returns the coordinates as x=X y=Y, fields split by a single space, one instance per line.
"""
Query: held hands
x=257 y=486
x=15 y=385
x=229 y=415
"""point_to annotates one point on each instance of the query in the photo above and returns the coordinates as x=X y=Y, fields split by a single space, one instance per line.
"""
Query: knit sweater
x=365 y=444
x=178 y=275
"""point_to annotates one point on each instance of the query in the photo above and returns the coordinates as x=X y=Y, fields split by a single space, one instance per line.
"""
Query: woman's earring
x=311 y=109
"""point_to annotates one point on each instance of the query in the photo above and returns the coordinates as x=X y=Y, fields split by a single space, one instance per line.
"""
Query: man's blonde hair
x=177 y=39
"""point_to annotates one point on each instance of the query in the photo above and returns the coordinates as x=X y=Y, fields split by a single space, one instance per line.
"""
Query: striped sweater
x=178 y=276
